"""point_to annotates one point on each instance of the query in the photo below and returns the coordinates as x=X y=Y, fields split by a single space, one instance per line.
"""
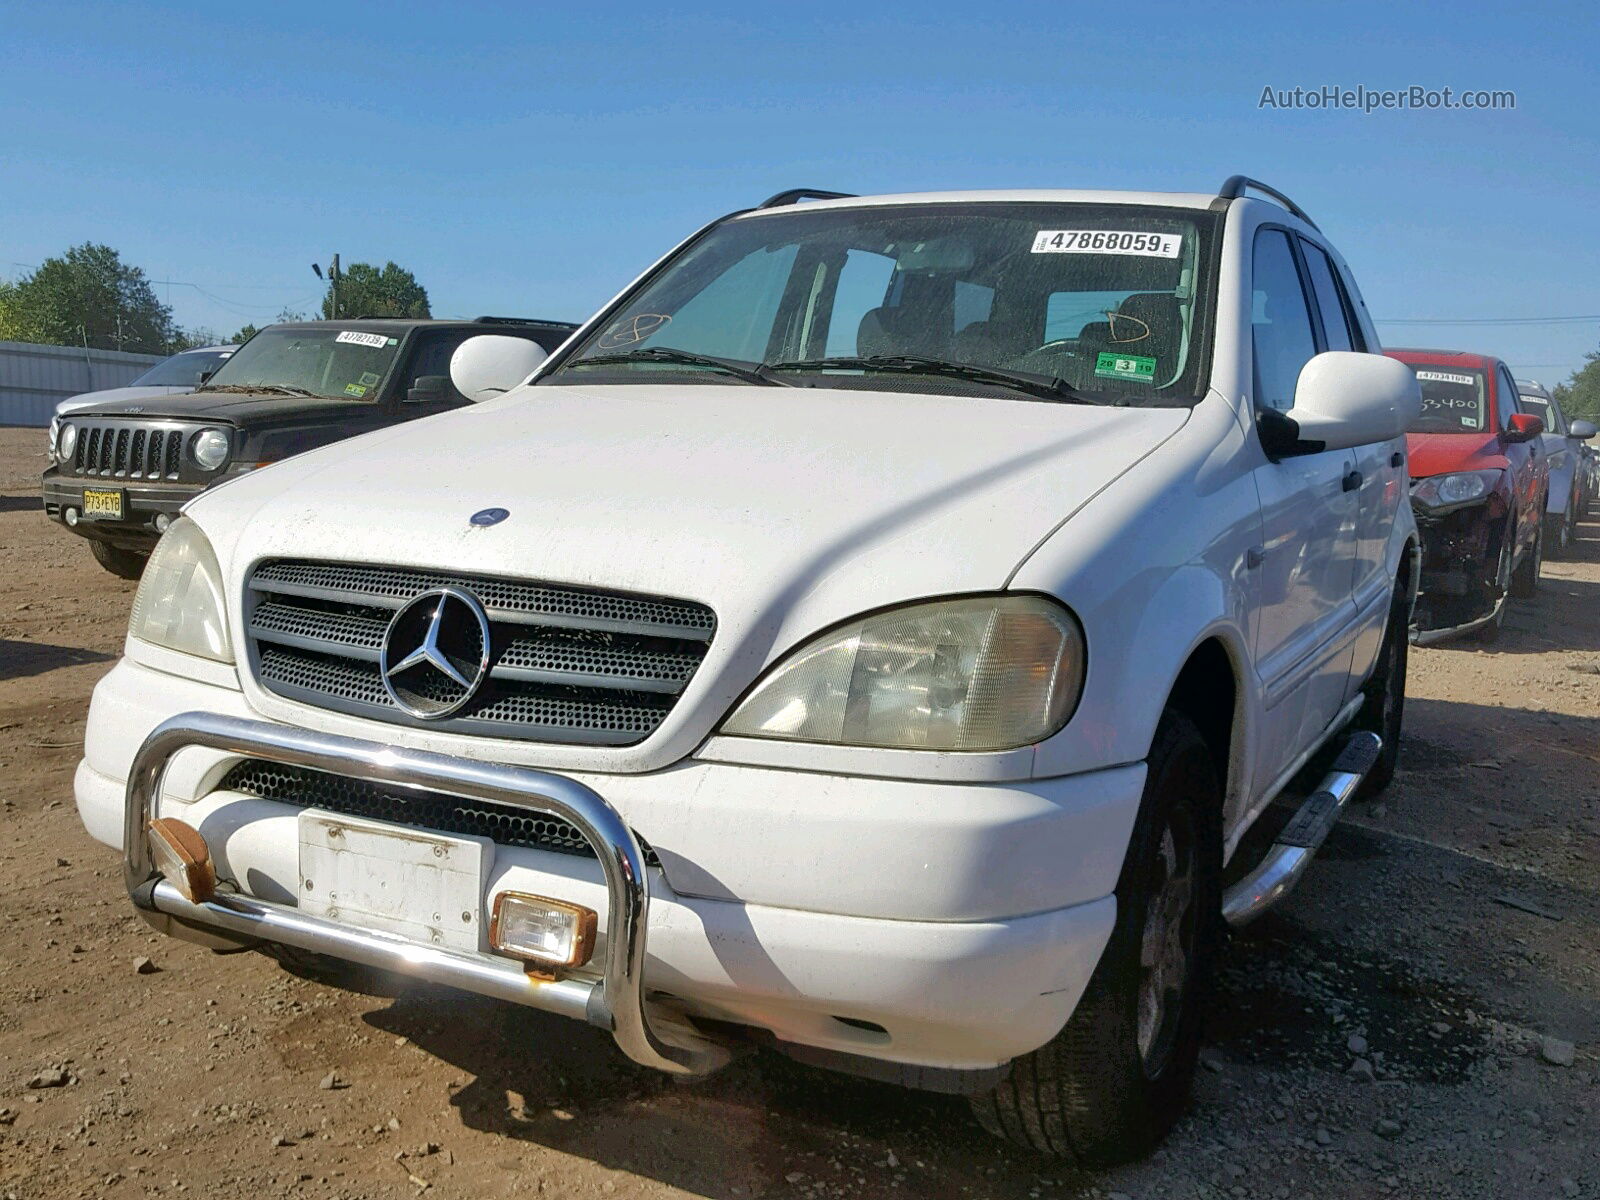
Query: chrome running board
x=1275 y=876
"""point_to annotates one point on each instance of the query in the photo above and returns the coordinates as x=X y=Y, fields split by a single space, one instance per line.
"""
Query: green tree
x=88 y=296
x=1580 y=395
x=249 y=331
x=366 y=291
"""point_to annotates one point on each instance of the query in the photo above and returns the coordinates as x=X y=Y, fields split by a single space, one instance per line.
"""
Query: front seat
x=1149 y=317
x=887 y=330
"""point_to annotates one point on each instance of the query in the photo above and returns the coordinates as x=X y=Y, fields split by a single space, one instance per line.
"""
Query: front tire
x=1384 y=695
x=127 y=564
x=1489 y=632
x=1111 y=1084
x=1558 y=534
x=1525 y=579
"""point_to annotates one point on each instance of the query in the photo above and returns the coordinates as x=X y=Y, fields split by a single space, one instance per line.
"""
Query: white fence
x=34 y=378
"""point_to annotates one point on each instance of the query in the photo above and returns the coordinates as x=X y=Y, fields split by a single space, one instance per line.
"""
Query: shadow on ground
x=18 y=659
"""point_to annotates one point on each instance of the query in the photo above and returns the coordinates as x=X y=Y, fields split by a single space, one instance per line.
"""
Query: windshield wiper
x=750 y=372
x=916 y=364
x=249 y=389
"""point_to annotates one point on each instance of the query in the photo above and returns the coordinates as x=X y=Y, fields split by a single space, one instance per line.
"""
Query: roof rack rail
x=1236 y=185
x=522 y=321
x=795 y=195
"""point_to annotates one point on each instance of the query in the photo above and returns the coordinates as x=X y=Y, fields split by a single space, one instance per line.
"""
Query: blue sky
x=526 y=159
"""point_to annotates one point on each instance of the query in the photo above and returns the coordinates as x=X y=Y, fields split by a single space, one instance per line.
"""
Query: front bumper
x=965 y=995
x=142 y=504
x=1459 y=588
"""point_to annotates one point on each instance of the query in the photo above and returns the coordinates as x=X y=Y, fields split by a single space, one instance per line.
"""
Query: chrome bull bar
x=615 y=1003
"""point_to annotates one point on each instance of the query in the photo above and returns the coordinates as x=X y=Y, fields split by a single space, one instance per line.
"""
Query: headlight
x=66 y=442
x=985 y=673
x=1461 y=487
x=179 y=602
x=211 y=449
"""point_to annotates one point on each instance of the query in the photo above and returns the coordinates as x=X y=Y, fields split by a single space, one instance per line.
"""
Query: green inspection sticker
x=1125 y=366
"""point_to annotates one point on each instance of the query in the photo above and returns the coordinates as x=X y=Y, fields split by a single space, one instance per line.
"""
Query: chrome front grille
x=129 y=451
x=567 y=664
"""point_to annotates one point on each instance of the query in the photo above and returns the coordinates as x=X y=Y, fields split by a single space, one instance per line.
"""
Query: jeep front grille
x=129 y=451
x=503 y=824
x=567 y=664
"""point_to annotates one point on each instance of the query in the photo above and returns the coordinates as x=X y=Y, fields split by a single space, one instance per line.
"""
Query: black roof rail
x=1236 y=185
x=795 y=195
x=523 y=321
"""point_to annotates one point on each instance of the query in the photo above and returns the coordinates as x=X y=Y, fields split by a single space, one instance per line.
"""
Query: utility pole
x=333 y=284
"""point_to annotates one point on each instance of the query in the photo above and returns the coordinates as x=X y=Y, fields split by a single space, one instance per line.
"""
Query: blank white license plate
x=424 y=886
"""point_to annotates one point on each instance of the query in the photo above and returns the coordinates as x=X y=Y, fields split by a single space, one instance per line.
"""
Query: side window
x=432 y=358
x=1331 y=300
x=1280 y=320
x=1507 y=388
x=863 y=283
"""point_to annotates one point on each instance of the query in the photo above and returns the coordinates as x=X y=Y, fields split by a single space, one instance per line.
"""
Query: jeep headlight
x=65 y=441
x=179 y=602
x=979 y=673
x=211 y=448
x=1459 y=487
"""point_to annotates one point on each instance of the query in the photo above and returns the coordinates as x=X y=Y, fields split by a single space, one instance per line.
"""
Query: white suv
x=870 y=635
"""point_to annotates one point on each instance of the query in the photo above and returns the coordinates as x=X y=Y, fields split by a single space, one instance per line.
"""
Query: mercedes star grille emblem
x=435 y=653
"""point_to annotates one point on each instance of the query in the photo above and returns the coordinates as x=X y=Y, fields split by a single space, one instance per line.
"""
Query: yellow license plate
x=102 y=505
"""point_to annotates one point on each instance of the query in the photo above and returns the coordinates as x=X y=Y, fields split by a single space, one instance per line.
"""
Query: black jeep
x=123 y=470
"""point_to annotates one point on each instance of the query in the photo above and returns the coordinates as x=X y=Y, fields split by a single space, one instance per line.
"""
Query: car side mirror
x=427 y=388
x=490 y=364
x=206 y=375
x=1344 y=398
x=1582 y=430
x=1523 y=427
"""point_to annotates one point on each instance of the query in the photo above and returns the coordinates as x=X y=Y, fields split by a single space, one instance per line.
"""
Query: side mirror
x=1344 y=399
x=1524 y=427
x=1582 y=430
x=489 y=364
x=427 y=388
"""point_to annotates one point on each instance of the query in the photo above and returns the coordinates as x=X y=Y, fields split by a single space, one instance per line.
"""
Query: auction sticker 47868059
x=1107 y=241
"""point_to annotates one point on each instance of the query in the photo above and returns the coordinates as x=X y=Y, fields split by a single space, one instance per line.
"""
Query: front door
x=1309 y=513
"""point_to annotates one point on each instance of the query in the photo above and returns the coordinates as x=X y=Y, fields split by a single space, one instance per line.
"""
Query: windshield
x=1111 y=301
x=338 y=364
x=1452 y=400
x=183 y=370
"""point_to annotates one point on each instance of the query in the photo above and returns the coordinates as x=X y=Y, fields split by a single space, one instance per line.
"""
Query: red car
x=1478 y=482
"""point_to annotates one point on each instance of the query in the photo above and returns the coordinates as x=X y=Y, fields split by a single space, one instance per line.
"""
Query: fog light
x=181 y=854
x=70 y=516
x=162 y=521
x=549 y=932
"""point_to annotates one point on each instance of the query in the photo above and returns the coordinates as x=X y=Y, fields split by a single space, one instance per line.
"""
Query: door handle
x=1254 y=557
x=1352 y=481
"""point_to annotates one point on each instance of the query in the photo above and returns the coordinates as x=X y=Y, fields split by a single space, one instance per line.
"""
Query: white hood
x=785 y=510
x=91 y=400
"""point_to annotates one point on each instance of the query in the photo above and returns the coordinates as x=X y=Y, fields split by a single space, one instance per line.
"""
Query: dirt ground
x=1448 y=939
